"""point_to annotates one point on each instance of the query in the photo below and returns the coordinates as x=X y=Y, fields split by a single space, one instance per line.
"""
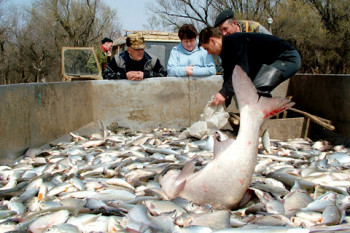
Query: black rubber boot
x=267 y=79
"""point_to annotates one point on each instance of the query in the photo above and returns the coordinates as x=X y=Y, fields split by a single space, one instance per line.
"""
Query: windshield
x=80 y=62
x=161 y=50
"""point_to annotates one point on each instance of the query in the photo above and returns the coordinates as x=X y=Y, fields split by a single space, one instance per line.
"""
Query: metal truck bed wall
x=326 y=96
x=34 y=114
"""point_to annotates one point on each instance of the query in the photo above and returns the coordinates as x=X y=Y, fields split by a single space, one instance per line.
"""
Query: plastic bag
x=214 y=117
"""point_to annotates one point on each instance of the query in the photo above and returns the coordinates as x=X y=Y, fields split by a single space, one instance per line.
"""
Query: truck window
x=161 y=50
x=79 y=62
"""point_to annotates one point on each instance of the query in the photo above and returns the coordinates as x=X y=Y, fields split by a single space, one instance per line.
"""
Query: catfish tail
x=246 y=94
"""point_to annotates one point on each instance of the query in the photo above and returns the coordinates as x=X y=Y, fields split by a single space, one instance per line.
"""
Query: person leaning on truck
x=228 y=24
x=186 y=59
x=267 y=60
x=134 y=63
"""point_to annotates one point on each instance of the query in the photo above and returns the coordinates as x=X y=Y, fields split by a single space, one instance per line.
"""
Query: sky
x=132 y=13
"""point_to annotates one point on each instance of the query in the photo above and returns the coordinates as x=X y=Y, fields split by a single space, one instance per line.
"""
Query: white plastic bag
x=214 y=117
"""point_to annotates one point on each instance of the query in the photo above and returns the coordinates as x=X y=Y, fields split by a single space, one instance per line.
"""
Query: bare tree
x=75 y=22
x=4 y=69
x=202 y=13
x=174 y=13
x=33 y=52
x=257 y=10
x=332 y=12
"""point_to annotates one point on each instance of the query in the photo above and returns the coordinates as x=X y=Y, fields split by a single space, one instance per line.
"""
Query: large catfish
x=223 y=182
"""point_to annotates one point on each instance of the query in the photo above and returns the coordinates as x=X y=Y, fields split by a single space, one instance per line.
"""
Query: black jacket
x=250 y=51
x=122 y=63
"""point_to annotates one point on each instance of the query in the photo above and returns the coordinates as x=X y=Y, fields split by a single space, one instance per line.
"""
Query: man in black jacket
x=268 y=60
x=134 y=63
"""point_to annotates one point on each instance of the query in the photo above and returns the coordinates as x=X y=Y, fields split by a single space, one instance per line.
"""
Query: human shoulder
x=201 y=50
x=233 y=37
x=151 y=58
x=252 y=26
x=121 y=58
x=98 y=49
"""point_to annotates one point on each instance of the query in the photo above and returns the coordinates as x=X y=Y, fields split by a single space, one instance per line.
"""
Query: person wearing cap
x=104 y=52
x=134 y=63
x=186 y=59
x=228 y=24
x=267 y=60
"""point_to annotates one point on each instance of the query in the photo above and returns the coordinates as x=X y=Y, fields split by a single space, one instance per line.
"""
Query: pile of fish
x=109 y=182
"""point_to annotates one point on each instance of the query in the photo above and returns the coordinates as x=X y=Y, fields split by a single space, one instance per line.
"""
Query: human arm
x=156 y=71
x=174 y=68
x=114 y=71
x=226 y=92
x=207 y=66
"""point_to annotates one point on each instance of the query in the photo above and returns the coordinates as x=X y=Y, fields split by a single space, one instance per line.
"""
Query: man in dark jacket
x=268 y=60
x=134 y=63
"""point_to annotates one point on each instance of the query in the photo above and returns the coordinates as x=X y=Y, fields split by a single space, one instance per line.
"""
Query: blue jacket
x=203 y=63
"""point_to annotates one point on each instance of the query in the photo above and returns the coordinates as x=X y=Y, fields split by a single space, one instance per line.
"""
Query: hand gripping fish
x=223 y=182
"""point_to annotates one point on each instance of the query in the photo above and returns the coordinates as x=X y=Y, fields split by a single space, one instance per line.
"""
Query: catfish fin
x=173 y=182
x=186 y=171
x=245 y=91
x=179 y=187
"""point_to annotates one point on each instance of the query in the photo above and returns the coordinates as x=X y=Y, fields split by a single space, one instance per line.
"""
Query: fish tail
x=246 y=94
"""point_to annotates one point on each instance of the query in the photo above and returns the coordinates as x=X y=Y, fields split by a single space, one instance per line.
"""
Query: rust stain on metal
x=139 y=115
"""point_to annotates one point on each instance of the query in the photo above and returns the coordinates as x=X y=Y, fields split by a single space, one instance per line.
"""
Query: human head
x=135 y=46
x=210 y=40
x=227 y=23
x=188 y=34
x=135 y=41
x=107 y=43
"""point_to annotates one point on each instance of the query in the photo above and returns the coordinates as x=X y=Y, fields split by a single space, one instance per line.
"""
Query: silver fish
x=265 y=229
x=62 y=228
x=157 y=208
x=44 y=222
x=331 y=215
x=266 y=141
x=216 y=220
x=139 y=221
x=15 y=204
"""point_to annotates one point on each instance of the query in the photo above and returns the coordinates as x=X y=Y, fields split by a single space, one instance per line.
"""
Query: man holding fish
x=268 y=60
